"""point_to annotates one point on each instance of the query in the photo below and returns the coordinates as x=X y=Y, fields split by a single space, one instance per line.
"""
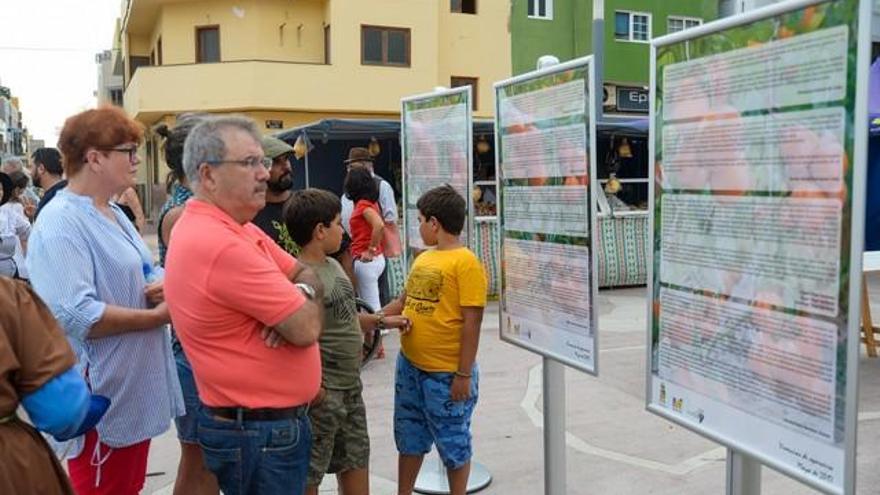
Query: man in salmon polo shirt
x=246 y=315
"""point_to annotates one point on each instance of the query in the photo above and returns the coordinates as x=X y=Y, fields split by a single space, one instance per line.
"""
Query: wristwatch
x=307 y=290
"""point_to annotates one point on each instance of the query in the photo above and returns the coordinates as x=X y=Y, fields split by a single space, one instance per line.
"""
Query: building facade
x=564 y=28
x=110 y=88
x=288 y=63
x=13 y=135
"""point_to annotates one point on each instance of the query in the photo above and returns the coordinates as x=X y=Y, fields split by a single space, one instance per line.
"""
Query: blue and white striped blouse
x=79 y=262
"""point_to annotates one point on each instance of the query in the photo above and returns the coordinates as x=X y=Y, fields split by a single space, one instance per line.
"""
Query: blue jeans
x=257 y=457
x=187 y=425
x=425 y=414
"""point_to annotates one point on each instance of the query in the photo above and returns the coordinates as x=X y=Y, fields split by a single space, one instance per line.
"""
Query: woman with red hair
x=91 y=267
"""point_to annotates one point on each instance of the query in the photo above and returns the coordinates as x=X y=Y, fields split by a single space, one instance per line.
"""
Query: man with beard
x=270 y=219
x=47 y=174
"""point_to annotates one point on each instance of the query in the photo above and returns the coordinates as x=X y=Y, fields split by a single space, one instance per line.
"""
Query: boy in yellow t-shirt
x=436 y=381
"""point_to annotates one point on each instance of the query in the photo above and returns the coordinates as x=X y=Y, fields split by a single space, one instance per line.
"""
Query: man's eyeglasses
x=130 y=150
x=251 y=162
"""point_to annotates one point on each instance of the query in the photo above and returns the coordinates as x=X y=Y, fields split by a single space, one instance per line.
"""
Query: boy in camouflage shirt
x=340 y=442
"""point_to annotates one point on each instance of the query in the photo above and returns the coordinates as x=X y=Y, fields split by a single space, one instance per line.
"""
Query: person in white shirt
x=15 y=228
x=14 y=231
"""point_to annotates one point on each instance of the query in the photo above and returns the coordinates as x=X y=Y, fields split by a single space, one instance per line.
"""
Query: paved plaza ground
x=614 y=446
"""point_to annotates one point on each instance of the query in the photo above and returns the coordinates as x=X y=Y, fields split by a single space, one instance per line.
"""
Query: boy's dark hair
x=306 y=209
x=446 y=205
x=50 y=159
x=360 y=184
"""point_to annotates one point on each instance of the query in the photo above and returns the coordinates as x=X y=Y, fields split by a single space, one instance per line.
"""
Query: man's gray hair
x=12 y=164
x=205 y=143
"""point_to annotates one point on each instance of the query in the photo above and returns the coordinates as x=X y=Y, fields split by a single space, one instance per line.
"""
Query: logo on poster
x=696 y=414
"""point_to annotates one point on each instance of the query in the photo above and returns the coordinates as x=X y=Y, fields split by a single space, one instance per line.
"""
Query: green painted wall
x=569 y=35
x=531 y=38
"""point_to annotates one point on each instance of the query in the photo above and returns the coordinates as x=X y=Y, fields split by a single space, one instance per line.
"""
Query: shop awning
x=364 y=129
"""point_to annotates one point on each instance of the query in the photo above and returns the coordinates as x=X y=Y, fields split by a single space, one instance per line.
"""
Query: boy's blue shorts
x=424 y=414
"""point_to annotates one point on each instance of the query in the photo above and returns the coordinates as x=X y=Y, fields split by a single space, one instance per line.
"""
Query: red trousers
x=108 y=470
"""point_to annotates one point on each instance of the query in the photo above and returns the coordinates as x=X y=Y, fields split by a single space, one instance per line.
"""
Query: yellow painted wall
x=442 y=45
x=154 y=38
x=135 y=45
x=470 y=46
x=249 y=30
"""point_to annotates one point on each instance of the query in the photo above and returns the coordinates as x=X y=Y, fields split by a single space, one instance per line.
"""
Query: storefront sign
x=632 y=100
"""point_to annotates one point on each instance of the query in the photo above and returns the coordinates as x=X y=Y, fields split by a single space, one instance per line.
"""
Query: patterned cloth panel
x=395 y=276
x=485 y=246
x=622 y=254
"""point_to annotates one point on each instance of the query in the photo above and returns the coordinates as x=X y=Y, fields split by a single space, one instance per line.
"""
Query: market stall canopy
x=361 y=129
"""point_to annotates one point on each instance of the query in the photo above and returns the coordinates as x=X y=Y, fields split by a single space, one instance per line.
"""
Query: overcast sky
x=47 y=57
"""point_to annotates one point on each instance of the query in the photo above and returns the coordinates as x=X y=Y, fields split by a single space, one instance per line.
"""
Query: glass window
x=621 y=25
x=676 y=24
x=632 y=26
x=456 y=82
x=372 y=45
x=540 y=9
x=463 y=6
x=385 y=46
x=640 y=30
x=207 y=44
x=327 y=45
x=397 y=48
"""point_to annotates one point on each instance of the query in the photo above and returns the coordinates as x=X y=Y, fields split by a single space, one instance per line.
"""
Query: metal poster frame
x=589 y=82
x=748 y=480
x=408 y=255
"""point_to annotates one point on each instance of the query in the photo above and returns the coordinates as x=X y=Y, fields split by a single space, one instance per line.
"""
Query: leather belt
x=263 y=414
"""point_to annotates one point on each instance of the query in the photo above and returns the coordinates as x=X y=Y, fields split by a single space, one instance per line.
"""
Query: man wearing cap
x=269 y=219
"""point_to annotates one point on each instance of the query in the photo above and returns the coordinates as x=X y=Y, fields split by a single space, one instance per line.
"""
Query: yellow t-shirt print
x=439 y=284
x=423 y=290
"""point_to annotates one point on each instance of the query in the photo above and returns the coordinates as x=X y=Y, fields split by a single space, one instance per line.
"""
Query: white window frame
x=632 y=14
x=548 y=11
x=684 y=20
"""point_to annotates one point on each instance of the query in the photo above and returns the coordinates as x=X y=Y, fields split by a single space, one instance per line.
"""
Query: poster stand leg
x=743 y=474
x=432 y=478
x=554 y=427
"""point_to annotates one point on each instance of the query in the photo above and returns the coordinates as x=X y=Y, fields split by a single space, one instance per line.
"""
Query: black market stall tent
x=622 y=148
x=329 y=140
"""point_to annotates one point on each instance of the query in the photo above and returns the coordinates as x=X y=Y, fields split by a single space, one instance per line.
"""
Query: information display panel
x=437 y=139
x=758 y=140
x=544 y=141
